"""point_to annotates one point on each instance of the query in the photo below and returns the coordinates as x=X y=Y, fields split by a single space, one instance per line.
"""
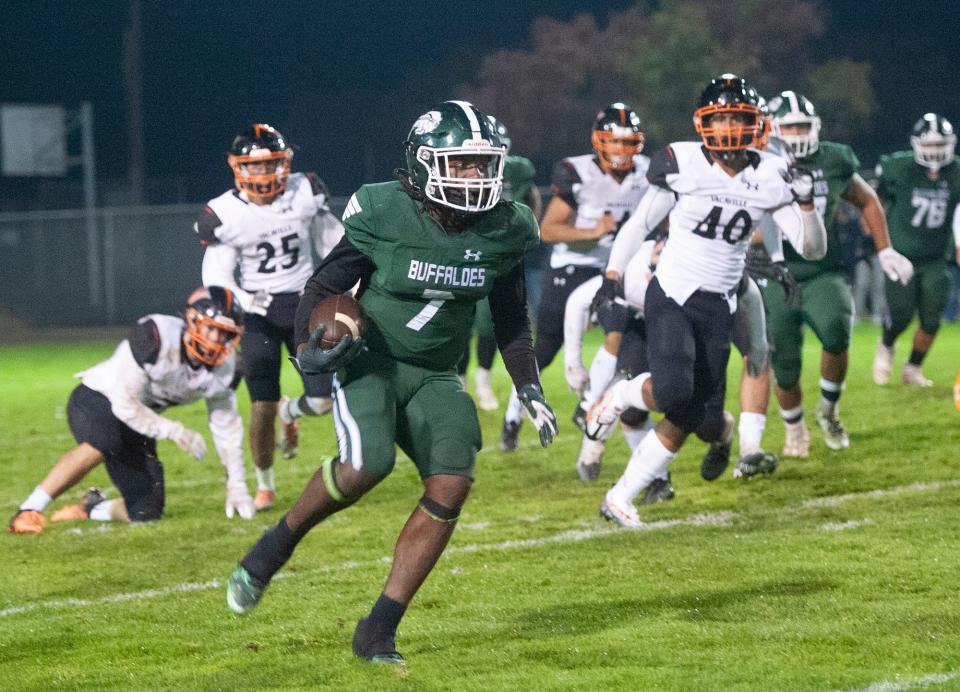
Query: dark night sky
x=344 y=80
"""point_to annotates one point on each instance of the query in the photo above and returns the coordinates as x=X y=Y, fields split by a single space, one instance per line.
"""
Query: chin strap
x=410 y=187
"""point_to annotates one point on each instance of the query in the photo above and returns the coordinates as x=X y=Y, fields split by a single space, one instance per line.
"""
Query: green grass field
x=840 y=572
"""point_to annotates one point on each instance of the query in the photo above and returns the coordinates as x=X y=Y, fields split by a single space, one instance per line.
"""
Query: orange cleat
x=27 y=521
x=956 y=392
x=264 y=499
x=77 y=512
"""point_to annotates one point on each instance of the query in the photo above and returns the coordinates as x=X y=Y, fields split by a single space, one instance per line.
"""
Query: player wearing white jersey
x=271 y=224
x=115 y=415
x=714 y=192
x=594 y=195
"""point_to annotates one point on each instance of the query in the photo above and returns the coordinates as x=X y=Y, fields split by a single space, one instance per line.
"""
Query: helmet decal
x=426 y=123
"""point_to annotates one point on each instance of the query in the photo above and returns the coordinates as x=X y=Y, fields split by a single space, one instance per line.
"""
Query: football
x=340 y=316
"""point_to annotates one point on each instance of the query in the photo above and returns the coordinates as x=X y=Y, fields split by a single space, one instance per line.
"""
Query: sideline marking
x=573 y=536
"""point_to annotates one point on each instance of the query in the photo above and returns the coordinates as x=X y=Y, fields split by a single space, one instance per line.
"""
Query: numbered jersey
x=273 y=240
x=421 y=296
x=711 y=222
x=580 y=182
x=919 y=210
x=832 y=166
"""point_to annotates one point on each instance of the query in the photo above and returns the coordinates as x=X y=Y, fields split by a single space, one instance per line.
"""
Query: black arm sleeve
x=662 y=163
x=144 y=342
x=206 y=225
x=337 y=273
x=511 y=325
x=562 y=181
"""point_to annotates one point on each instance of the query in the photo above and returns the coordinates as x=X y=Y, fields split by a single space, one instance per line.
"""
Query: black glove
x=761 y=269
x=792 y=292
x=609 y=291
x=314 y=360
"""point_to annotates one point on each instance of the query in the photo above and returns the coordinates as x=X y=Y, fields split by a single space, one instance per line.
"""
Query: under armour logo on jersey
x=751 y=186
x=472 y=254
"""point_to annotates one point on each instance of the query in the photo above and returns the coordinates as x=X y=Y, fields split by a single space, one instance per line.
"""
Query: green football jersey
x=421 y=296
x=919 y=210
x=832 y=166
x=518 y=173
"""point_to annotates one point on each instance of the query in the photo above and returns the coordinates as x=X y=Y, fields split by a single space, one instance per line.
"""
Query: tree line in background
x=657 y=57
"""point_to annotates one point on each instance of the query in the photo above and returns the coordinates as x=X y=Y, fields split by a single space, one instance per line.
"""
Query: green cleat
x=755 y=464
x=243 y=591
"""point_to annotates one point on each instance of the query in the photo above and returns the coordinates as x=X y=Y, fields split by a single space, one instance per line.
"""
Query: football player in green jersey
x=827 y=303
x=921 y=190
x=425 y=250
x=518 y=173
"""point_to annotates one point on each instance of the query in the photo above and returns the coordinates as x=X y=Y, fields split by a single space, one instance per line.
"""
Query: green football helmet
x=790 y=108
x=453 y=133
x=501 y=131
x=933 y=141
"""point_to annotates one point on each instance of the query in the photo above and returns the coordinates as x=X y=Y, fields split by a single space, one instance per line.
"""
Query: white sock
x=481 y=378
x=632 y=392
x=751 y=432
x=792 y=416
x=634 y=436
x=834 y=389
x=514 y=412
x=37 y=501
x=602 y=370
x=101 y=511
x=647 y=462
x=265 y=479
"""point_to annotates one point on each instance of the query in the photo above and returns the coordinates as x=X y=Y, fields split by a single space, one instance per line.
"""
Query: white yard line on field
x=712 y=519
x=911 y=684
x=844 y=525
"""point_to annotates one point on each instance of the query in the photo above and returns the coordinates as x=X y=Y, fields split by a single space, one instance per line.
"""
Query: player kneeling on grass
x=114 y=415
x=425 y=250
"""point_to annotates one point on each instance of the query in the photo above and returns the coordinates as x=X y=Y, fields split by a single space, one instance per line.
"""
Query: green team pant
x=926 y=295
x=827 y=308
x=380 y=402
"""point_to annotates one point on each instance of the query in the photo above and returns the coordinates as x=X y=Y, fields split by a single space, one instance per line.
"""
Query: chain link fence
x=71 y=268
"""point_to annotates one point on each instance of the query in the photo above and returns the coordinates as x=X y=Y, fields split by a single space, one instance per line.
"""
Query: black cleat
x=375 y=647
x=715 y=461
x=659 y=489
x=509 y=436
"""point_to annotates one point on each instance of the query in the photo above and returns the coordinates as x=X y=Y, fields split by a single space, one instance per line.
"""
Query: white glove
x=254 y=303
x=189 y=441
x=895 y=266
x=239 y=501
x=800 y=181
x=577 y=378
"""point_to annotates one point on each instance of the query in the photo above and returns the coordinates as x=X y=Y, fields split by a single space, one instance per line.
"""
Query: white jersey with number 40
x=713 y=217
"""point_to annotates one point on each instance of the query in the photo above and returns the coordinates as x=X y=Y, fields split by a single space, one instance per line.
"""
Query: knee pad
x=673 y=396
x=439 y=513
x=147 y=508
x=634 y=417
x=711 y=427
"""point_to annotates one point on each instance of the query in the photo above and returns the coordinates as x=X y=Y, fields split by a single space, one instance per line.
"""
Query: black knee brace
x=437 y=512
